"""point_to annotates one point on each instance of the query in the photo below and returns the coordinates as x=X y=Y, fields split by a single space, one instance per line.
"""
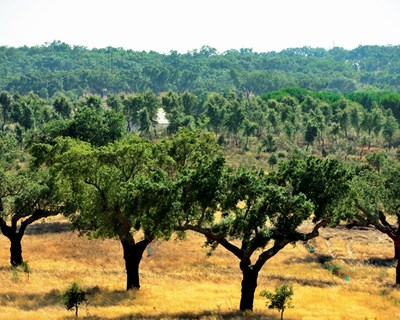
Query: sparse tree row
x=107 y=166
x=273 y=124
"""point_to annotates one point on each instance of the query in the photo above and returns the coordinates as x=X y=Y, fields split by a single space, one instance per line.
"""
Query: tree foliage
x=75 y=70
x=73 y=297
x=281 y=299
x=27 y=195
x=262 y=212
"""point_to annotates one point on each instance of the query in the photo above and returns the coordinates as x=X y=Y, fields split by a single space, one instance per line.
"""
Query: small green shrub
x=26 y=268
x=281 y=299
x=15 y=273
x=73 y=297
x=334 y=268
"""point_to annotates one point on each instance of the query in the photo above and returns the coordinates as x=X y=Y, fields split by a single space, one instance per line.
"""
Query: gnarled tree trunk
x=133 y=253
x=16 y=250
x=15 y=238
x=397 y=247
x=397 y=256
x=249 y=285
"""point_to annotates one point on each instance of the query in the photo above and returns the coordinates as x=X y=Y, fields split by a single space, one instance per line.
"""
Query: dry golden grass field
x=179 y=281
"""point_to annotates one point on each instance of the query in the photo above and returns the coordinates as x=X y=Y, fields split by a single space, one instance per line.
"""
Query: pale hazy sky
x=185 y=25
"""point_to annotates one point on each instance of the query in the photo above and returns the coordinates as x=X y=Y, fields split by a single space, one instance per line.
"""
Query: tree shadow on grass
x=320 y=258
x=304 y=282
x=6 y=268
x=106 y=298
x=48 y=227
x=36 y=301
x=30 y=301
x=97 y=297
x=381 y=262
x=205 y=315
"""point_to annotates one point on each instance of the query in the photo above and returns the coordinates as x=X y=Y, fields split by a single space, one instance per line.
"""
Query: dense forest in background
x=76 y=70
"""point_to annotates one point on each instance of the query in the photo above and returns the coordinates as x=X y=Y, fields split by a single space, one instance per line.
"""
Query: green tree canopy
x=115 y=188
x=262 y=212
x=377 y=197
x=26 y=195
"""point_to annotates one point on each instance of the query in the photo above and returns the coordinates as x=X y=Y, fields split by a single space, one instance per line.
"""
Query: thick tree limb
x=5 y=229
x=371 y=219
x=126 y=225
x=382 y=219
x=255 y=243
x=141 y=245
x=266 y=255
x=218 y=238
x=280 y=244
x=38 y=214
x=390 y=231
x=126 y=237
x=315 y=232
x=380 y=224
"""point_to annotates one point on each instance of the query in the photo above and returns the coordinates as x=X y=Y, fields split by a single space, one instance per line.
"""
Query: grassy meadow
x=179 y=280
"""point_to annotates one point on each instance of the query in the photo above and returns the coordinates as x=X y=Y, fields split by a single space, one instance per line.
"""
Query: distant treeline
x=76 y=70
